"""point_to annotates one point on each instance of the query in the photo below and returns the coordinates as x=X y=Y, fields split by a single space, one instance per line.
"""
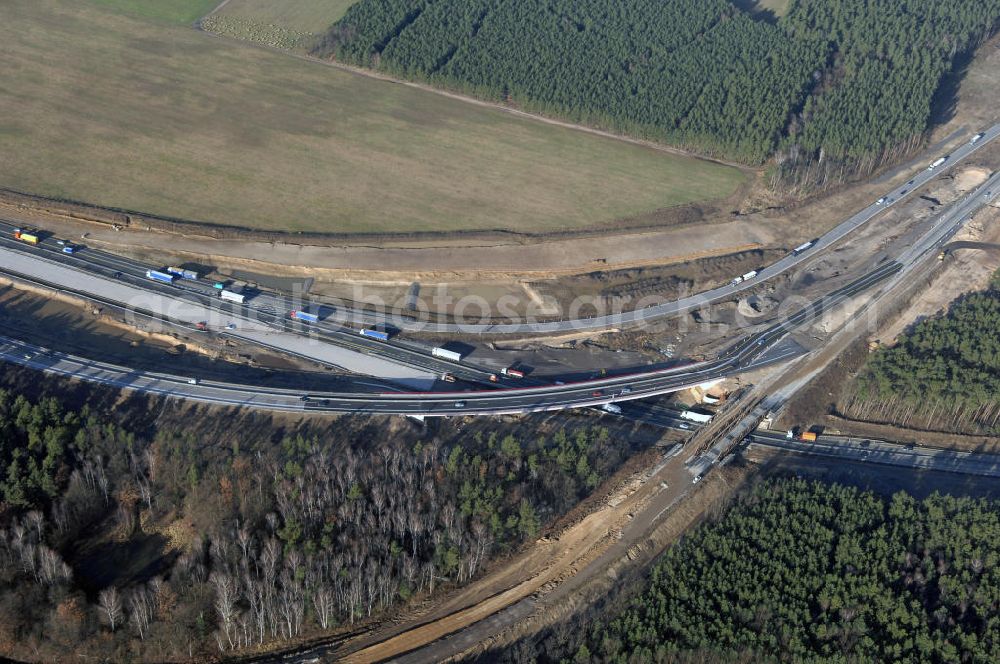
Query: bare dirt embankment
x=825 y=400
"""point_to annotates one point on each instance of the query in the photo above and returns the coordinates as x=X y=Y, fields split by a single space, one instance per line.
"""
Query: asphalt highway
x=103 y=275
x=751 y=352
x=890 y=454
x=274 y=308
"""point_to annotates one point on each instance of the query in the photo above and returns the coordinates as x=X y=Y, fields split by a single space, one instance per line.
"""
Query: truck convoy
x=744 y=277
x=162 y=277
x=182 y=273
x=305 y=316
x=446 y=354
x=25 y=236
x=373 y=334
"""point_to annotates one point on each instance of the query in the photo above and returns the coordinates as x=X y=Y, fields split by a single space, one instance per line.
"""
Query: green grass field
x=313 y=16
x=174 y=11
x=98 y=104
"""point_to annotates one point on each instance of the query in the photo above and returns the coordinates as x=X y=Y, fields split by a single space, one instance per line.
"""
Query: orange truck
x=808 y=436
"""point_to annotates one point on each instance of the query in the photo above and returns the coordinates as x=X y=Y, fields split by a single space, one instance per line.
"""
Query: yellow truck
x=25 y=236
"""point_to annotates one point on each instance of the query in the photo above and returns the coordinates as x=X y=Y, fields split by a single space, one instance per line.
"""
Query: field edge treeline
x=827 y=92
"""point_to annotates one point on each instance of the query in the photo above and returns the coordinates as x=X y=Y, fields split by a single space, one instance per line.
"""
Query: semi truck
x=511 y=372
x=25 y=236
x=182 y=273
x=937 y=162
x=231 y=296
x=749 y=275
x=305 y=316
x=802 y=247
x=373 y=334
x=695 y=416
x=446 y=354
x=163 y=277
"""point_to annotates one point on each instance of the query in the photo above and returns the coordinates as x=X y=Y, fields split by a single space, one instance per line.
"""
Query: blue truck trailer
x=182 y=273
x=305 y=316
x=374 y=334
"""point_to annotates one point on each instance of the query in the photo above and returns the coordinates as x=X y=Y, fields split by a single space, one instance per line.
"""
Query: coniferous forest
x=943 y=373
x=844 y=84
x=809 y=572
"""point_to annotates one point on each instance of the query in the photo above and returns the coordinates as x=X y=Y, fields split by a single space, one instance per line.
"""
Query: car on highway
x=977 y=138
x=598 y=393
x=192 y=381
x=880 y=201
x=231 y=326
x=459 y=404
x=626 y=390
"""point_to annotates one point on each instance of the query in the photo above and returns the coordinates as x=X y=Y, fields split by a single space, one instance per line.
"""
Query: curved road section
x=279 y=306
x=753 y=351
